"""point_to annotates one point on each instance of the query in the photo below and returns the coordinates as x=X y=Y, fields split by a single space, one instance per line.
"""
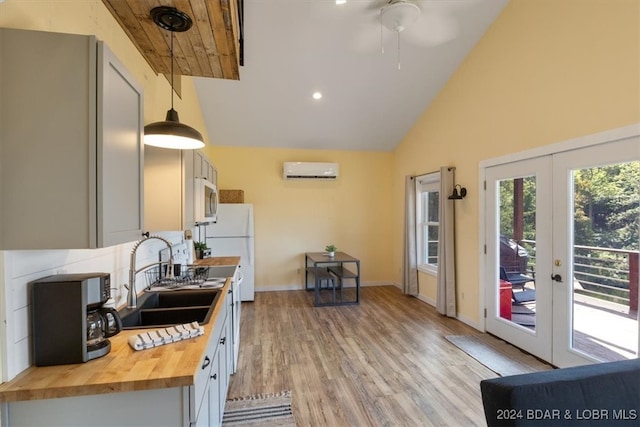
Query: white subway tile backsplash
x=21 y=324
x=22 y=267
x=22 y=356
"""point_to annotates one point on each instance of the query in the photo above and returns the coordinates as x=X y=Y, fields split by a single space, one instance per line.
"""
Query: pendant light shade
x=171 y=133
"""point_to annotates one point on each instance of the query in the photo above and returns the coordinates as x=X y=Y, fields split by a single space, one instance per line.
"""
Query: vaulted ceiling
x=293 y=48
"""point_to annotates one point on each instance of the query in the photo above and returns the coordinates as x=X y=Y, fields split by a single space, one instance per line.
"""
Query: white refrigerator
x=232 y=235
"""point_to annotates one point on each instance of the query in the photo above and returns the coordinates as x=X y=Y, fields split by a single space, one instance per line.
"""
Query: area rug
x=497 y=355
x=269 y=410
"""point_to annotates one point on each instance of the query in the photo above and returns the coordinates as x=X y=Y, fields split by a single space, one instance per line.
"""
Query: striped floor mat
x=263 y=409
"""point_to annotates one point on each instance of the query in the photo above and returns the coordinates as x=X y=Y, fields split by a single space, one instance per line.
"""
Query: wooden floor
x=384 y=362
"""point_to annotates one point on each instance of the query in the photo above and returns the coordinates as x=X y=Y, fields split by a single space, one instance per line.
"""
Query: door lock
x=556 y=278
x=557 y=263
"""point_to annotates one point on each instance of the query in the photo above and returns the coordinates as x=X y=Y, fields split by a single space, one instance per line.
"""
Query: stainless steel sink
x=156 y=309
x=221 y=271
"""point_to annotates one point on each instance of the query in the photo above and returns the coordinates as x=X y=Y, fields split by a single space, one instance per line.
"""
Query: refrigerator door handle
x=247 y=243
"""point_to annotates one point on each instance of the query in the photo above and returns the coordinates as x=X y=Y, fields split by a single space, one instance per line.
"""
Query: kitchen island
x=165 y=385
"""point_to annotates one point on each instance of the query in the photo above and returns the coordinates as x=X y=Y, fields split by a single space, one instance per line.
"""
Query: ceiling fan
x=419 y=22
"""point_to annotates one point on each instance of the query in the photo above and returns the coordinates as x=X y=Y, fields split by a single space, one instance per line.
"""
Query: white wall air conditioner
x=310 y=170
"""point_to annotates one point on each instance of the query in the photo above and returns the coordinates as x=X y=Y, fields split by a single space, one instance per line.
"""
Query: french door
x=517 y=229
x=562 y=236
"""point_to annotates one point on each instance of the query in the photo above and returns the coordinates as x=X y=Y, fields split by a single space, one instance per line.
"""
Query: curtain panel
x=409 y=253
x=446 y=294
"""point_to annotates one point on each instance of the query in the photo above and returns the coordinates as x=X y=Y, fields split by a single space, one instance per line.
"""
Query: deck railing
x=603 y=273
x=608 y=274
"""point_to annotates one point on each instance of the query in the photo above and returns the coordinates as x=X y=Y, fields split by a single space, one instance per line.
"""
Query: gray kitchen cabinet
x=169 y=186
x=203 y=168
x=235 y=313
x=71 y=125
x=168 y=200
x=212 y=409
x=200 y=404
x=212 y=381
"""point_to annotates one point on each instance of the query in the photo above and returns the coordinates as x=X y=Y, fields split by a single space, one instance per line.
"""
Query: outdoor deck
x=602 y=329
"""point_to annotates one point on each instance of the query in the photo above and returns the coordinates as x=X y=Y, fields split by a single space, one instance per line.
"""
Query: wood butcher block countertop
x=123 y=369
x=219 y=260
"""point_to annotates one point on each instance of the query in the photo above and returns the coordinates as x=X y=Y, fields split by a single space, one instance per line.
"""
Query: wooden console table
x=332 y=271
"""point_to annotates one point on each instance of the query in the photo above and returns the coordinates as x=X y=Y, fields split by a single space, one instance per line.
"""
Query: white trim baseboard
x=474 y=324
x=301 y=287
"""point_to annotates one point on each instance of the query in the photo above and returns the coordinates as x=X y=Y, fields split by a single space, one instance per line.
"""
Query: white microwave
x=206 y=201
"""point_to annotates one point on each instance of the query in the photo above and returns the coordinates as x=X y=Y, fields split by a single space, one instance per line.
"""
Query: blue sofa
x=603 y=394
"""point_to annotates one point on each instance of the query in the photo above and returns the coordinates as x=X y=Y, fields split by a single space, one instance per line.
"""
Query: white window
x=428 y=221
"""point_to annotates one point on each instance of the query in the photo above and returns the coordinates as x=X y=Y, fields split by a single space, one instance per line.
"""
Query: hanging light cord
x=171 y=83
x=398 y=49
x=381 y=37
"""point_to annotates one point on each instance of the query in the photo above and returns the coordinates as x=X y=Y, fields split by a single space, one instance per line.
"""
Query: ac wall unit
x=310 y=170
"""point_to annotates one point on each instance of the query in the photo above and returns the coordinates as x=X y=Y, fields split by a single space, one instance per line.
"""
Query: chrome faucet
x=132 y=296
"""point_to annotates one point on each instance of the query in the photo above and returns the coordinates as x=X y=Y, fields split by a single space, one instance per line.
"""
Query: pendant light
x=171 y=133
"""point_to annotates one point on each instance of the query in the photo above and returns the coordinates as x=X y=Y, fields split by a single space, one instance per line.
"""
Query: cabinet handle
x=214 y=376
x=206 y=362
x=223 y=340
x=145 y=234
x=229 y=291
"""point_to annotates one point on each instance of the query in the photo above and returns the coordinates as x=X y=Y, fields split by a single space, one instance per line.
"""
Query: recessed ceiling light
x=317 y=95
x=341 y=1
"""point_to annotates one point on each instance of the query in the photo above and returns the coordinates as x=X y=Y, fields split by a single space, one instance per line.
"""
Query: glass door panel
x=517 y=250
x=518 y=205
x=596 y=246
x=606 y=208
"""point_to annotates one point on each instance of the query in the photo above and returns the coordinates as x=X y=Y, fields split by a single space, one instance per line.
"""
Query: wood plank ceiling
x=209 y=49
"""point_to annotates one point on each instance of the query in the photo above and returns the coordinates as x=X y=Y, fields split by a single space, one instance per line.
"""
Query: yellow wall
x=91 y=17
x=293 y=217
x=545 y=72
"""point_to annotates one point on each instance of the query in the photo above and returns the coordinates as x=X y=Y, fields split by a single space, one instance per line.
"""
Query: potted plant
x=331 y=250
x=202 y=251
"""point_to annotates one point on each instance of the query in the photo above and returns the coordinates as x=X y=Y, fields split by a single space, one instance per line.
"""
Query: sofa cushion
x=603 y=394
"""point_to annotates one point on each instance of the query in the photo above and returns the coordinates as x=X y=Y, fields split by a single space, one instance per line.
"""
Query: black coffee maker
x=68 y=321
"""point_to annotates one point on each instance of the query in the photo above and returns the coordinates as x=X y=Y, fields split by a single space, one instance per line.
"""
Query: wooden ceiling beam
x=208 y=49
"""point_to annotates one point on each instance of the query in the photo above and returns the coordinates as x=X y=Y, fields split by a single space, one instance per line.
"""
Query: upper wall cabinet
x=71 y=161
x=203 y=168
x=169 y=178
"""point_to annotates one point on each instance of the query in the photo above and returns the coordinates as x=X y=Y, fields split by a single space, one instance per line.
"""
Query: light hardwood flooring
x=384 y=362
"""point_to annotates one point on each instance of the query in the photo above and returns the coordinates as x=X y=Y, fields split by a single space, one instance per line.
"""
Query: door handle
x=556 y=278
